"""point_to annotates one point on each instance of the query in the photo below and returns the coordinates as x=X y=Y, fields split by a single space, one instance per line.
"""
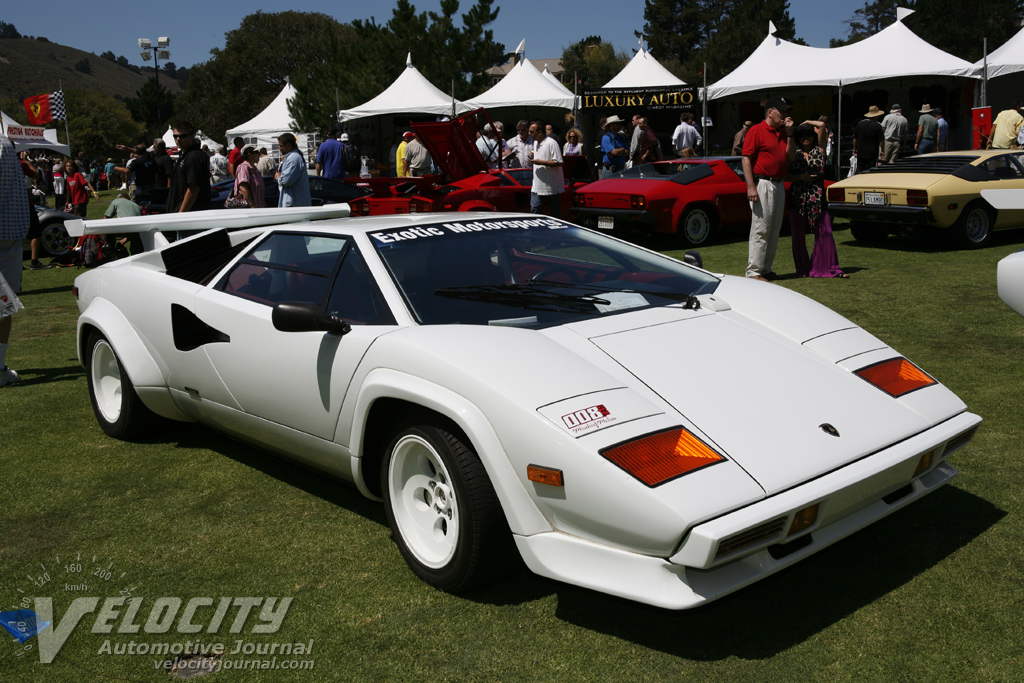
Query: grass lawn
x=933 y=593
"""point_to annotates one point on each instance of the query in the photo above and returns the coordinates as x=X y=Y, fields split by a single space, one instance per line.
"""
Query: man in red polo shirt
x=767 y=151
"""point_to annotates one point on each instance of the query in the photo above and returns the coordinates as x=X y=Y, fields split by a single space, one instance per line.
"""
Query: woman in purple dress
x=806 y=209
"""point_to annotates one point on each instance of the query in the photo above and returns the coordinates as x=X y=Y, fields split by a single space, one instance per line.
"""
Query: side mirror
x=301 y=316
x=693 y=258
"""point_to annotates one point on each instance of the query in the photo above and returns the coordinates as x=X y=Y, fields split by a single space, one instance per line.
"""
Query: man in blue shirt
x=331 y=158
x=614 y=147
x=292 y=177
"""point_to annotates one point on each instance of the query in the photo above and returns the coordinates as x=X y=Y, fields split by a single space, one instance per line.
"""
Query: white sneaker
x=8 y=376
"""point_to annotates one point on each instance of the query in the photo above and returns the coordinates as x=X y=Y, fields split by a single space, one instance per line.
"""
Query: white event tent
x=893 y=52
x=411 y=93
x=1008 y=59
x=643 y=71
x=264 y=129
x=32 y=137
x=524 y=86
x=551 y=77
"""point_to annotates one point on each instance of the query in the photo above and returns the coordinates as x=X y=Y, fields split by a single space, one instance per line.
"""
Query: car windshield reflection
x=537 y=272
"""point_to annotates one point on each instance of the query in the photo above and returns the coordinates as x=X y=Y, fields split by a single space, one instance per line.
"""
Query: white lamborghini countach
x=520 y=390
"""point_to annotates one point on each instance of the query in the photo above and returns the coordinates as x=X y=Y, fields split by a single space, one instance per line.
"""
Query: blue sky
x=196 y=27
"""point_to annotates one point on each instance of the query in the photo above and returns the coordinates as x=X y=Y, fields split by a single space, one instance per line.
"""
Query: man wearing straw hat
x=927 y=131
x=868 y=139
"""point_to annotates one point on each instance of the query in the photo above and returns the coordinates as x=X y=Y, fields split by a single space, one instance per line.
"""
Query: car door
x=296 y=379
x=1009 y=169
x=733 y=205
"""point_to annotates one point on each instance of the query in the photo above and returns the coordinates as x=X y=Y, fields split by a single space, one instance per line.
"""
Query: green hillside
x=33 y=67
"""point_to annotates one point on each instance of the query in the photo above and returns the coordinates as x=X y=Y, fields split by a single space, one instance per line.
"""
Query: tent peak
x=771 y=28
x=408 y=61
x=902 y=13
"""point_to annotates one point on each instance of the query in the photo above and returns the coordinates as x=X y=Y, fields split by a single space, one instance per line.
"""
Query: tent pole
x=984 y=73
x=67 y=133
x=704 y=108
x=839 y=134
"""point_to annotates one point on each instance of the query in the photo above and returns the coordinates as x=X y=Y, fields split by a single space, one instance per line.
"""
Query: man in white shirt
x=548 y=180
x=488 y=146
x=520 y=146
x=686 y=138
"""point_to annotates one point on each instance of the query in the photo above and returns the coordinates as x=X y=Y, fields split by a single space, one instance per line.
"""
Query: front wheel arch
x=445 y=516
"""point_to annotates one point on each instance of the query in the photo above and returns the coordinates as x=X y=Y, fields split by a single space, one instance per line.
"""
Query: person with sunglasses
x=573 y=144
x=190 y=182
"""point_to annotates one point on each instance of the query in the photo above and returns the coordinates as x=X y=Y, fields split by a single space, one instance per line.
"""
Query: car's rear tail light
x=896 y=377
x=917 y=197
x=578 y=200
x=657 y=458
x=637 y=201
x=804 y=519
x=836 y=194
x=545 y=475
x=74 y=292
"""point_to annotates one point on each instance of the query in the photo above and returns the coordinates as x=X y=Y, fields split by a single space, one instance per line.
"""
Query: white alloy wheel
x=105 y=376
x=424 y=501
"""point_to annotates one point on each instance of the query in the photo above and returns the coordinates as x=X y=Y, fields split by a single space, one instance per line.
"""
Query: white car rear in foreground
x=519 y=389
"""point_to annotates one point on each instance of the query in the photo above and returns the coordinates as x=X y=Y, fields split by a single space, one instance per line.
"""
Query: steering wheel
x=551 y=270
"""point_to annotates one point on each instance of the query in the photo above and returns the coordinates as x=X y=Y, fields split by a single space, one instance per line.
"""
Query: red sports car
x=470 y=185
x=689 y=197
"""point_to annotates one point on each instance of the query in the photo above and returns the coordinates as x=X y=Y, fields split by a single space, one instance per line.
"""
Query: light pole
x=159 y=51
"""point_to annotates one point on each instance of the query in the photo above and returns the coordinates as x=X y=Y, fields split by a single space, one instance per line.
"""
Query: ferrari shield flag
x=45 y=108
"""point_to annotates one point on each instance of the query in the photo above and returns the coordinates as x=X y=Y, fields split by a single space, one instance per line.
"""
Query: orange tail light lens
x=657 y=458
x=896 y=377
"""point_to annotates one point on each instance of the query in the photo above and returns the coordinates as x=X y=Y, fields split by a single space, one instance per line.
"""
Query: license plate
x=874 y=198
x=605 y=223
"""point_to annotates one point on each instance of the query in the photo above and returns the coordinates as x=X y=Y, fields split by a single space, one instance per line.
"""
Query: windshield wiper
x=689 y=301
x=529 y=295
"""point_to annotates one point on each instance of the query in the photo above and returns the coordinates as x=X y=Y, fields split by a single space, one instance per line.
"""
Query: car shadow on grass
x=31 y=376
x=791 y=606
x=330 y=489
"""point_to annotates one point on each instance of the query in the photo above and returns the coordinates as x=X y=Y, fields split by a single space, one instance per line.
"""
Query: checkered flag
x=57 y=110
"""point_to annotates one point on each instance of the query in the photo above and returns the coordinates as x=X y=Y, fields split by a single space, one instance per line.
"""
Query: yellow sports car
x=941 y=190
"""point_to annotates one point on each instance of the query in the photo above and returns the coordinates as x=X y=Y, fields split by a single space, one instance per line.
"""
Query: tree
x=363 y=64
x=869 y=20
x=958 y=27
x=83 y=66
x=241 y=79
x=7 y=31
x=718 y=33
x=593 y=61
x=109 y=56
x=98 y=122
x=150 y=99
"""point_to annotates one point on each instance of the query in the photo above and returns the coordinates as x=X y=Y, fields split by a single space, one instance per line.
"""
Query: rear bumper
x=920 y=215
x=849 y=499
x=589 y=215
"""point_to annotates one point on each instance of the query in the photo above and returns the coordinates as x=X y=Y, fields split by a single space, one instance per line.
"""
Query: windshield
x=528 y=272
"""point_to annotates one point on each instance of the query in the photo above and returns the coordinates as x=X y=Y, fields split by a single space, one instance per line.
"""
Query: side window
x=1003 y=167
x=355 y=297
x=286 y=267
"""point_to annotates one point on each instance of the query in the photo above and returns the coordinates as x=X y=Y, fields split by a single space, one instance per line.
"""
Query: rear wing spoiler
x=150 y=228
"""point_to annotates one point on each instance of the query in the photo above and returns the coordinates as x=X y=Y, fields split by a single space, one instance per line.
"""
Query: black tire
x=698 y=225
x=443 y=512
x=867 y=232
x=973 y=229
x=117 y=406
x=54 y=239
